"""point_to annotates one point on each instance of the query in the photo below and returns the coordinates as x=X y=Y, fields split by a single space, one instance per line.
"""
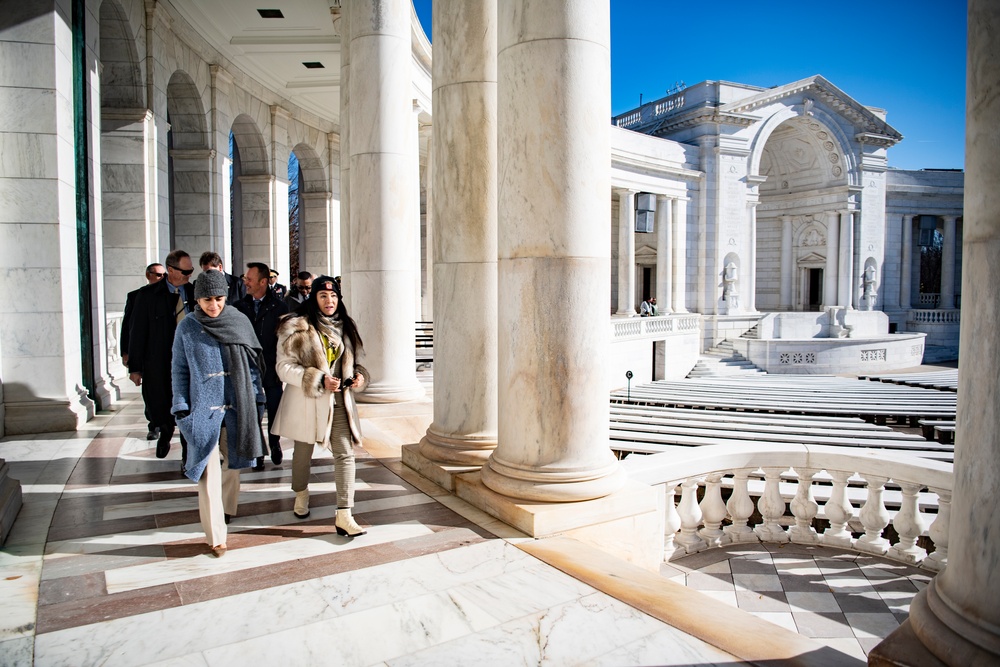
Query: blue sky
x=905 y=56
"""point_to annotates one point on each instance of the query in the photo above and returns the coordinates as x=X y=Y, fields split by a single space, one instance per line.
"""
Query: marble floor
x=106 y=565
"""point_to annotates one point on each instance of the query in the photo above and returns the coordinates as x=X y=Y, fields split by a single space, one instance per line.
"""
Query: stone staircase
x=723 y=360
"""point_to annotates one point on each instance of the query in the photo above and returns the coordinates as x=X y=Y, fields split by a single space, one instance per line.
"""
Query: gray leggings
x=343 y=459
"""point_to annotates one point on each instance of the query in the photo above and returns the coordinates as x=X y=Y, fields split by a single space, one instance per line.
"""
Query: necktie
x=256 y=306
x=179 y=309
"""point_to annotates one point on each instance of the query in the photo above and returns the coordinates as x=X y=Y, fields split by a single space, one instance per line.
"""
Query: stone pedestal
x=957 y=617
x=381 y=295
x=464 y=431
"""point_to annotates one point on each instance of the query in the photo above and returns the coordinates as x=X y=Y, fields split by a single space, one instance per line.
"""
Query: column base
x=902 y=648
x=106 y=391
x=552 y=487
x=540 y=519
x=469 y=451
x=10 y=500
x=391 y=393
x=47 y=416
x=442 y=474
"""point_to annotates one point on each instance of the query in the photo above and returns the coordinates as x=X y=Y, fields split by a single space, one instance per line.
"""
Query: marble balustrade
x=654 y=327
x=692 y=525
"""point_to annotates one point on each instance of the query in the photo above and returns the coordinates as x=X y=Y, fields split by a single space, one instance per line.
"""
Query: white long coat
x=305 y=413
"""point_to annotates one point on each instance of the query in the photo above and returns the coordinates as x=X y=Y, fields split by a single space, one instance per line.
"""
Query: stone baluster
x=740 y=506
x=938 y=532
x=772 y=508
x=804 y=509
x=909 y=525
x=874 y=517
x=671 y=524
x=713 y=511
x=690 y=515
x=839 y=512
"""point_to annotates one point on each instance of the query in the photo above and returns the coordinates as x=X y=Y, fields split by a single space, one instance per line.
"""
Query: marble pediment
x=870 y=126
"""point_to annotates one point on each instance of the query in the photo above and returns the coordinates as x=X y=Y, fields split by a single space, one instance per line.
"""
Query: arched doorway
x=804 y=190
x=250 y=196
x=315 y=233
x=189 y=168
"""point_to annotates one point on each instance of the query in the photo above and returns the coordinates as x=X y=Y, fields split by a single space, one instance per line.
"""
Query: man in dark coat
x=263 y=307
x=211 y=260
x=158 y=309
x=154 y=274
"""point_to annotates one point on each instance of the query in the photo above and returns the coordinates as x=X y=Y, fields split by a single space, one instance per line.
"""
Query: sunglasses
x=186 y=272
x=158 y=275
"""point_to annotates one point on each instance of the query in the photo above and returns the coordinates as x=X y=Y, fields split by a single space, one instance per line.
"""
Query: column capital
x=278 y=111
x=623 y=192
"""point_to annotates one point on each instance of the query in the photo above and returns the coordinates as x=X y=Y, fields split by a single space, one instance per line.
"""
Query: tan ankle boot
x=301 y=509
x=346 y=525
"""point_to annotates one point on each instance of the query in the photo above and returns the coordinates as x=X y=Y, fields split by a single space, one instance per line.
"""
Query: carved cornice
x=878 y=140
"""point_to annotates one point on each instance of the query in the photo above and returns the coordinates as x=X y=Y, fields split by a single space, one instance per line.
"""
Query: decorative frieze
x=873 y=355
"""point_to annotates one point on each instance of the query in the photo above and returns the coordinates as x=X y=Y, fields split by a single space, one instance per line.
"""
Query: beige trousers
x=343 y=459
x=218 y=493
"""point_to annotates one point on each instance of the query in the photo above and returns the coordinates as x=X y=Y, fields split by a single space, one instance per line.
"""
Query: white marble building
x=768 y=202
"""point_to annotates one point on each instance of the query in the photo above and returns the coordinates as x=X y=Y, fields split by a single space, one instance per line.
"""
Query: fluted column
x=553 y=249
x=626 y=251
x=830 y=280
x=785 y=290
x=846 y=282
x=906 y=266
x=415 y=132
x=751 y=300
x=664 y=254
x=948 y=264
x=679 y=216
x=957 y=617
x=382 y=228
x=464 y=430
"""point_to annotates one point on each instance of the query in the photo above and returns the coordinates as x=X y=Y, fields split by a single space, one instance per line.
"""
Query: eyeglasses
x=186 y=272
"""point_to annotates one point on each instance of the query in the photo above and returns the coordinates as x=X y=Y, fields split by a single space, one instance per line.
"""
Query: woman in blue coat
x=218 y=401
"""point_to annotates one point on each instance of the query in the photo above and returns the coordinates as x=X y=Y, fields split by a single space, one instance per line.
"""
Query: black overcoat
x=151 y=340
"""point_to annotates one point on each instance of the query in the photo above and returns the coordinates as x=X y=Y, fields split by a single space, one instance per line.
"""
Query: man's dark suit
x=125 y=337
x=151 y=340
x=265 y=325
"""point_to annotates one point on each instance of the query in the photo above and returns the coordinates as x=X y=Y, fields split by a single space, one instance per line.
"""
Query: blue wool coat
x=201 y=385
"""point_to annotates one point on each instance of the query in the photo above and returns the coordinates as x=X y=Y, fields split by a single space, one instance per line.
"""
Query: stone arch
x=252 y=147
x=252 y=196
x=315 y=222
x=121 y=75
x=188 y=124
x=814 y=126
x=189 y=167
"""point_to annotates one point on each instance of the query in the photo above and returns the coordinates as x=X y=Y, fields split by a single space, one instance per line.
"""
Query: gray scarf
x=240 y=348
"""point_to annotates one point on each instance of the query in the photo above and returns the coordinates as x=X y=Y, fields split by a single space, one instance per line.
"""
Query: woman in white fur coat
x=317 y=348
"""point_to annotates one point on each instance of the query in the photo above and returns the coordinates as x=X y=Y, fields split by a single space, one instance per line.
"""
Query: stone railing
x=841 y=478
x=650 y=111
x=649 y=327
x=935 y=316
x=928 y=299
x=113 y=328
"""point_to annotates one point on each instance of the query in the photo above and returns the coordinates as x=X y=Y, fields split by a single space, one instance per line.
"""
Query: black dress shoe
x=163 y=445
x=276 y=455
x=152 y=433
x=258 y=464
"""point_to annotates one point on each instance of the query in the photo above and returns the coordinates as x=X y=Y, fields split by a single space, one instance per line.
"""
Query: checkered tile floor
x=846 y=600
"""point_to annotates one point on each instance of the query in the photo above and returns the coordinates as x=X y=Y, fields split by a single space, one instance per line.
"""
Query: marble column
x=785 y=288
x=124 y=138
x=416 y=130
x=830 y=280
x=427 y=307
x=41 y=362
x=342 y=24
x=280 y=154
x=947 y=301
x=957 y=618
x=382 y=226
x=846 y=279
x=464 y=430
x=626 y=252
x=664 y=254
x=554 y=252
x=679 y=216
x=751 y=300
x=906 y=264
